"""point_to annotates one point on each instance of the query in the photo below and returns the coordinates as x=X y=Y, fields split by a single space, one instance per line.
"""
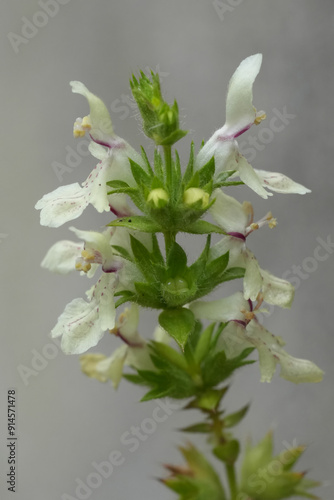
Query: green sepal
x=206 y=173
x=145 y=262
x=148 y=295
x=173 y=138
x=126 y=296
x=137 y=222
x=227 y=452
x=204 y=344
x=197 y=480
x=158 y=165
x=179 y=323
x=139 y=175
x=218 y=367
x=146 y=160
x=190 y=167
x=208 y=401
x=234 y=418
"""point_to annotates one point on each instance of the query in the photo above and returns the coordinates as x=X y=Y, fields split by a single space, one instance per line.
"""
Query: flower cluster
x=146 y=200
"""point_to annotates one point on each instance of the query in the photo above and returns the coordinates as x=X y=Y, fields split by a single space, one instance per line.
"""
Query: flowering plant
x=198 y=344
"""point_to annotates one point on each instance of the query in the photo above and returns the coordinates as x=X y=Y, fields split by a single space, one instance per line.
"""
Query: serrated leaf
x=202 y=227
x=179 y=323
x=137 y=222
x=234 y=418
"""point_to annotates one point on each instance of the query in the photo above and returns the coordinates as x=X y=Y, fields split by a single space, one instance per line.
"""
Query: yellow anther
x=260 y=116
x=249 y=315
x=82 y=267
x=78 y=133
x=88 y=255
x=272 y=223
x=86 y=123
x=254 y=226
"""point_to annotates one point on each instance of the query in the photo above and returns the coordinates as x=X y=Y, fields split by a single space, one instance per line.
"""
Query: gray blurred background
x=67 y=422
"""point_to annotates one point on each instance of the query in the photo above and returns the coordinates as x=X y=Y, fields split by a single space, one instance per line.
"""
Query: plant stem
x=230 y=470
x=168 y=165
x=169 y=240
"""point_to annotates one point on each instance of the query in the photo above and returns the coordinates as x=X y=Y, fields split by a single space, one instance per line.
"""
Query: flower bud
x=158 y=198
x=160 y=120
x=196 y=198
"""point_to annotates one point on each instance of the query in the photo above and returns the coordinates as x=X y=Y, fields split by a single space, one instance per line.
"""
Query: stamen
x=260 y=116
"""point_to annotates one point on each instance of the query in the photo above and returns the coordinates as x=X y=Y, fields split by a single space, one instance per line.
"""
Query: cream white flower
x=134 y=351
x=244 y=330
x=67 y=203
x=237 y=220
x=240 y=116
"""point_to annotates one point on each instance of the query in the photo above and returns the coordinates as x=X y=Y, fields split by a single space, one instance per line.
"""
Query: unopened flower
x=158 y=198
x=244 y=330
x=240 y=116
x=196 y=196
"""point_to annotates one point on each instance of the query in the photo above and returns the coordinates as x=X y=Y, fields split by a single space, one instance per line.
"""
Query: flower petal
x=271 y=352
x=88 y=363
x=102 y=129
x=79 y=327
x=229 y=213
x=277 y=291
x=250 y=177
x=112 y=368
x=226 y=309
x=61 y=257
x=103 y=294
x=280 y=183
x=252 y=279
x=62 y=205
x=240 y=112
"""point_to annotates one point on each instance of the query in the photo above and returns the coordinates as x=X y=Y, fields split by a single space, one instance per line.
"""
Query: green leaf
x=156 y=252
x=126 y=296
x=190 y=167
x=140 y=223
x=176 y=261
x=209 y=400
x=158 y=165
x=147 y=163
x=139 y=175
x=204 y=343
x=117 y=184
x=227 y=452
x=202 y=427
x=179 y=323
x=122 y=252
x=218 y=368
x=173 y=137
x=168 y=353
x=202 y=227
x=206 y=173
x=234 y=418
x=233 y=273
x=218 y=265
